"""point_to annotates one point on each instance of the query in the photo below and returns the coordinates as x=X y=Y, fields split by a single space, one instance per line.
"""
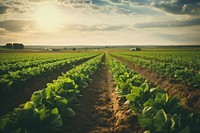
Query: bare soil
x=170 y=85
x=101 y=110
x=23 y=92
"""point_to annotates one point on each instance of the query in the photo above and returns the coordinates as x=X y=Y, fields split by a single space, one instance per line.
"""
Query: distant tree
x=8 y=45
x=74 y=49
x=18 y=46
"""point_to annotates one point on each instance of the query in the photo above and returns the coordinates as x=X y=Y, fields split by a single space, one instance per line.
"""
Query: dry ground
x=101 y=110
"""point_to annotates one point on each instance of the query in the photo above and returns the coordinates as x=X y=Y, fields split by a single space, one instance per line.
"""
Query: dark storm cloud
x=177 y=23
x=15 y=25
x=3 y=9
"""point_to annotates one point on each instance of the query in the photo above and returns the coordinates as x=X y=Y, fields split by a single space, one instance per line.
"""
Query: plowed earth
x=100 y=109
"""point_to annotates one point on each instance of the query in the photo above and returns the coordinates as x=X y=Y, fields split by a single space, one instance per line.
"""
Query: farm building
x=55 y=50
x=51 y=49
x=135 y=49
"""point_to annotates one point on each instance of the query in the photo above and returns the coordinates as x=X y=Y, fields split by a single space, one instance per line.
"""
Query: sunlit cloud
x=177 y=23
x=100 y=21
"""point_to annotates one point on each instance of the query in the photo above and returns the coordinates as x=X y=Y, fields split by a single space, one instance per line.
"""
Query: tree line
x=14 y=46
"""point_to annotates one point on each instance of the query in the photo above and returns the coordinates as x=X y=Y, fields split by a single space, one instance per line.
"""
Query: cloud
x=177 y=23
x=180 y=6
x=76 y=1
x=103 y=21
x=94 y=28
x=3 y=9
x=184 y=38
x=190 y=7
x=16 y=25
x=15 y=6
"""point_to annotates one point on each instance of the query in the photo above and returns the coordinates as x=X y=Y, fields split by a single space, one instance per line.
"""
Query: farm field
x=100 y=92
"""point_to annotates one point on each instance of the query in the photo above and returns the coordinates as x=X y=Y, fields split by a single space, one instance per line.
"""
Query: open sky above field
x=148 y=22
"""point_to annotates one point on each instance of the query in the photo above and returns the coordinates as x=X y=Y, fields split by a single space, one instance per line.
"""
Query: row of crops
x=181 y=65
x=156 y=111
x=48 y=107
x=16 y=71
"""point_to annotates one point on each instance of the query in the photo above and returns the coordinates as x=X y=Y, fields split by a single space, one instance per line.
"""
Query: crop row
x=13 y=79
x=47 y=107
x=189 y=76
x=189 y=59
x=15 y=58
x=156 y=111
x=24 y=62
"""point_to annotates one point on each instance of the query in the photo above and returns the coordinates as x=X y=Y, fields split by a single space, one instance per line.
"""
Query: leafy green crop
x=15 y=78
x=156 y=111
x=44 y=112
x=180 y=65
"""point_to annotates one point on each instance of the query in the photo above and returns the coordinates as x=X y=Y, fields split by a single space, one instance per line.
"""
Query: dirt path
x=171 y=86
x=100 y=109
x=22 y=93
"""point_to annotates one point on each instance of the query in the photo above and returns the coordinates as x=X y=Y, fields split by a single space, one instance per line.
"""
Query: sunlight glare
x=48 y=17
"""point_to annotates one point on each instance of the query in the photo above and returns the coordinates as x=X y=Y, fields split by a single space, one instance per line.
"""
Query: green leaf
x=42 y=113
x=144 y=121
x=70 y=90
x=145 y=87
x=172 y=123
x=70 y=112
x=148 y=102
x=166 y=97
x=53 y=123
x=61 y=101
x=147 y=131
x=55 y=111
x=160 y=119
x=130 y=97
x=146 y=109
x=152 y=90
x=162 y=97
x=27 y=118
x=37 y=97
x=48 y=92
x=136 y=90
x=29 y=105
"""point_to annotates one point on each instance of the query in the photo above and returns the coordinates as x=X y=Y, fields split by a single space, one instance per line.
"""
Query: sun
x=48 y=17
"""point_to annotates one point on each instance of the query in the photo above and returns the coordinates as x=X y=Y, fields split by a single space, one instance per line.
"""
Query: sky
x=107 y=22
